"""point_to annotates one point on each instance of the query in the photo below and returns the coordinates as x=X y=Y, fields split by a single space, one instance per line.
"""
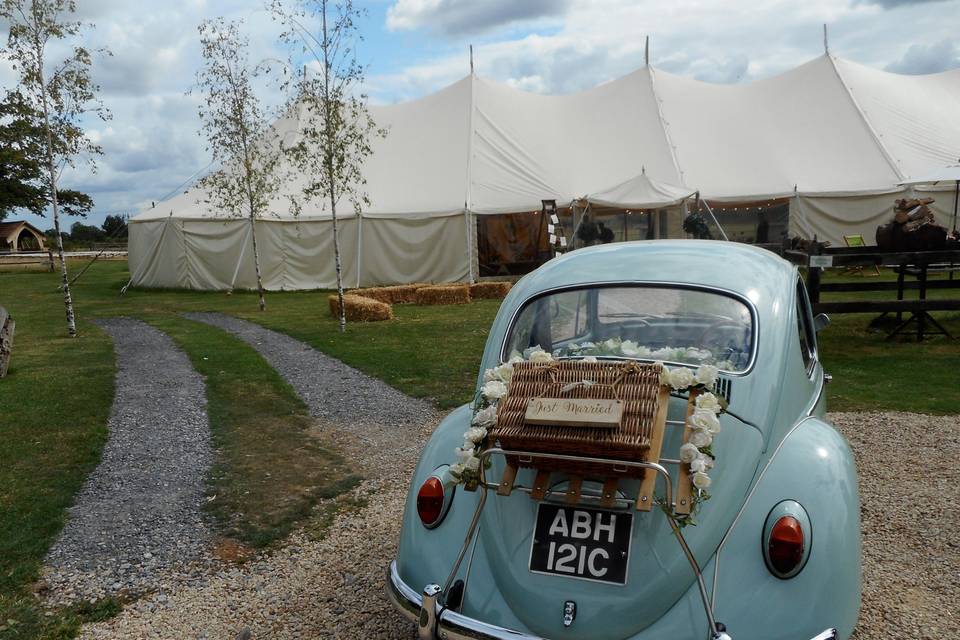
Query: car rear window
x=642 y=322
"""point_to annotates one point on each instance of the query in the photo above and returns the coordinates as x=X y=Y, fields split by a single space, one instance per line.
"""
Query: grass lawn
x=55 y=402
x=871 y=373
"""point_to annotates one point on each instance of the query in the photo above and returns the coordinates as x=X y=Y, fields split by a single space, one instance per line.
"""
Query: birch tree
x=336 y=130
x=238 y=129
x=62 y=92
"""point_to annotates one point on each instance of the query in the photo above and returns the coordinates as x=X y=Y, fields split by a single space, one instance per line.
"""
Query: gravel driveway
x=137 y=521
x=334 y=587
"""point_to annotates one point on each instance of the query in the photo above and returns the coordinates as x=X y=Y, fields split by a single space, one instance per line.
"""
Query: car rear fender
x=814 y=466
x=427 y=555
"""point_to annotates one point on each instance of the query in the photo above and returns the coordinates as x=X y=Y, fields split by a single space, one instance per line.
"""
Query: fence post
x=813 y=273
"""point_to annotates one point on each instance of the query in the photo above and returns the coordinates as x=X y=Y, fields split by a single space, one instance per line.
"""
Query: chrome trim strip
x=754 y=314
x=456 y=626
x=406 y=600
x=753 y=489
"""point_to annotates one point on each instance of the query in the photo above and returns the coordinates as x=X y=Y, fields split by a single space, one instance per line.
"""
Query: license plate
x=575 y=542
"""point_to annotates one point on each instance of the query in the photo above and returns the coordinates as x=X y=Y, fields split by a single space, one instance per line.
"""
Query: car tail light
x=786 y=539
x=786 y=545
x=431 y=502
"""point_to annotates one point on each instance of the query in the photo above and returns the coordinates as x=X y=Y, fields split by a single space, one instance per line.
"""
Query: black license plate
x=576 y=542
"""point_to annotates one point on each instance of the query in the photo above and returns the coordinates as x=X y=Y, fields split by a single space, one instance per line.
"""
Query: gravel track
x=910 y=511
x=137 y=521
x=334 y=587
x=335 y=393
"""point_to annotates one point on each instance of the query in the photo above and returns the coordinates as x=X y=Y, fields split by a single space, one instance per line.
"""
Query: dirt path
x=137 y=522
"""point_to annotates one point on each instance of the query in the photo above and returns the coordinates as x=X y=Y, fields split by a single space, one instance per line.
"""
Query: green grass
x=54 y=405
x=55 y=401
x=871 y=373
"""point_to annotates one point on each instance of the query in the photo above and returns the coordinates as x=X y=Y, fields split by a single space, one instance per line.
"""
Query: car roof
x=732 y=266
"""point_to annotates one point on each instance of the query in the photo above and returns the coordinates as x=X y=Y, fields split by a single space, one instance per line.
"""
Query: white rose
x=494 y=390
x=489 y=374
x=706 y=420
x=689 y=452
x=486 y=417
x=573 y=346
x=611 y=345
x=589 y=359
x=465 y=452
x=473 y=463
x=456 y=470
x=708 y=402
x=701 y=438
x=629 y=348
x=707 y=374
x=515 y=357
x=701 y=480
x=664 y=373
x=540 y=356
x=681 y=378
x=504 y=372
x=475 y=434
x=588 y=345
x=701 y=464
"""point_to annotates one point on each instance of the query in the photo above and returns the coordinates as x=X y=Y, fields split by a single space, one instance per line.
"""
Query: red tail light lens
x=430 y=501
x=785 y=547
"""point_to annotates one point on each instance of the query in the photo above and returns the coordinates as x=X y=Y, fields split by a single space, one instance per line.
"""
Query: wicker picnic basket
x=636 y=385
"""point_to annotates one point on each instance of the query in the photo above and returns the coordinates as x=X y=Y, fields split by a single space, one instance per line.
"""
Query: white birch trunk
x=328 y=164
x=64 y=278
x=336 y=258
x=256 y=263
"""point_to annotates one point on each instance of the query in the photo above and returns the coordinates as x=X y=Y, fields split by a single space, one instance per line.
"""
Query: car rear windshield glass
x=670 y=324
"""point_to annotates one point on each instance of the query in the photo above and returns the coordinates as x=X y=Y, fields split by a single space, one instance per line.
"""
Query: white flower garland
x=697 y=452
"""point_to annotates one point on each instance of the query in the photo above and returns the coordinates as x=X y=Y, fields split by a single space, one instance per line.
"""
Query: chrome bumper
x=435 y=622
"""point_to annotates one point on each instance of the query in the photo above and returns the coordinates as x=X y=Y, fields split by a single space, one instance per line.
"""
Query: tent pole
x=826 y=44
x=956 y=197
x=713 y=217
x=359 y=246
x=466 y=215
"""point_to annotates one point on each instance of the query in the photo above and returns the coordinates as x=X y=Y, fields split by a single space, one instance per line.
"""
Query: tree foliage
x=62 y=92
x=238 y=130
x=23 y=184
x=336 y=129
x=114 y=226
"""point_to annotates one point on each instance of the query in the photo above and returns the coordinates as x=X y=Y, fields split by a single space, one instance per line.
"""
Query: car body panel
x=774 y=445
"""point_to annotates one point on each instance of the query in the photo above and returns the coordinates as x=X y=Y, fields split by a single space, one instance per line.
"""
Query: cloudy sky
x=412 y=47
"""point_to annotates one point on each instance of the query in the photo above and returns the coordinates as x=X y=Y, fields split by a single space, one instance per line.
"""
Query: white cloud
x=462 y=17
x=928 y=58
x=732 y=41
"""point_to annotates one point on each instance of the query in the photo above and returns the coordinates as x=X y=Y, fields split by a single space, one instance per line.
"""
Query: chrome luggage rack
x=434 y=595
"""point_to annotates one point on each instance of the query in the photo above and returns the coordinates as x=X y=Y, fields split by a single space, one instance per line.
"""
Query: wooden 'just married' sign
x=574 y=412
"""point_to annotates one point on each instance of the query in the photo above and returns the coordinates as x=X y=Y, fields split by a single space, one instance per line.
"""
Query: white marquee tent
x=832 y=136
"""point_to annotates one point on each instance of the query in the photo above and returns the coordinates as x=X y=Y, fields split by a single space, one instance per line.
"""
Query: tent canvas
x=834 y=137
x=641 y=192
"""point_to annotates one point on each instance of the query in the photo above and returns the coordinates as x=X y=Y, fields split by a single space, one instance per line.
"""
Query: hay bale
x=444 y=294
x=360 y=309
x=396 y=294
x=491 y=290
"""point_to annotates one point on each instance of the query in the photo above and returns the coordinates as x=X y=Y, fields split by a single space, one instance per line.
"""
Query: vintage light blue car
x=774 y=553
